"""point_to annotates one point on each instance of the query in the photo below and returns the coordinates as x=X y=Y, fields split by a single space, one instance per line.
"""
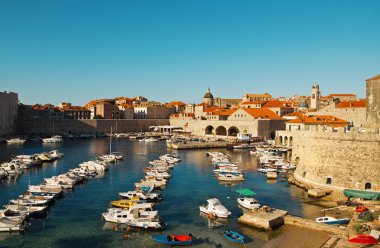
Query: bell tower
x=315 y=97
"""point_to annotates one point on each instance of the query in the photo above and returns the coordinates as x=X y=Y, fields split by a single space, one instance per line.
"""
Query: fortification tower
x=315 y=97
x=373 y=101
x=208 y=98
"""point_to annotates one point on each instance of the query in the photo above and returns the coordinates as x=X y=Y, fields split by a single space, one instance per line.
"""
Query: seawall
x=45 y=127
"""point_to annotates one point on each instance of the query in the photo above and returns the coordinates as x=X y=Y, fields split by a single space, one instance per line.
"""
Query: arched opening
x=233 y=131
x=297 y=160
x=304 y=174
x=221 y=131
x=286 y=141
x=368 y=186
x=290 y=141
x=329 y=180
x=209 y=130
x=280 y=140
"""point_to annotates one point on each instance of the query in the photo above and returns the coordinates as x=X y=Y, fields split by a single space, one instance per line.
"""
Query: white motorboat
x=15 y=141
x=55 y=183
x=95 y=165
x=230 y=176
x=124 y=216
x=11 y=168
x=151 y=139
x=158 y=162
x=44 y=189
x=151 y=181
x=29 y=159
x=265 y=170
x=53 y=139
x=155 y=173
x=332 y=221
x=118 y=155
x=149 y=197
x=9 y=225
x=248 y=202
x=108 y=158
x=55 y=154
x=214 y=207
x=29 y=202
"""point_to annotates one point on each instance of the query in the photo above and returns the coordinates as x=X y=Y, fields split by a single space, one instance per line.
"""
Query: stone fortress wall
x=46 y=127
x=339 y=159
x=336 y=159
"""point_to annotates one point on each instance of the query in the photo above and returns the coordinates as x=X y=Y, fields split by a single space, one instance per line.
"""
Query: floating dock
x=264 y=220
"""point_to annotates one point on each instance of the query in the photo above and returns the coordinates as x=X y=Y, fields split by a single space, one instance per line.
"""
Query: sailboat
x=54 y=138
x=112 y=156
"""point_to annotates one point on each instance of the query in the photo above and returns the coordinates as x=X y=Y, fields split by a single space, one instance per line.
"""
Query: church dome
x=208 y=94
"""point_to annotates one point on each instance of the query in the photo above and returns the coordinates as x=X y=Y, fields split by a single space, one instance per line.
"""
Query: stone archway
x=209 y=130
x=367 y=186
x=233 y=131
x=222 y=131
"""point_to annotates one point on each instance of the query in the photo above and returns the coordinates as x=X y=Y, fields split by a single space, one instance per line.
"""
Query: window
x=304 y=174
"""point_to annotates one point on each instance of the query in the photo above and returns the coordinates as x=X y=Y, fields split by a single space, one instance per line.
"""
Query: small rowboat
x=234 y=236
x=173 y=239
x=364 y=239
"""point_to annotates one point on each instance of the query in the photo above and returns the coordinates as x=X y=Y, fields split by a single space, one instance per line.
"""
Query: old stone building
x=8 y=112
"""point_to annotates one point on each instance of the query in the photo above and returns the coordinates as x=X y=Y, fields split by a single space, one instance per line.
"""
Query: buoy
x=126 y=236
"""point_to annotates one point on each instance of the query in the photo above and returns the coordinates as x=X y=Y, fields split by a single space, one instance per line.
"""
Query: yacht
x=55 y=154
x=214 y=207
x=222 y=176
x=53 y=139
x=15 y=141
x=147 y=197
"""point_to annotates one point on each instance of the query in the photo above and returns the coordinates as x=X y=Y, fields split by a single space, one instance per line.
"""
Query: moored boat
x=214 y=207
x=248 y=202
x=332 y=221
x=173 y=239
x=234 y=236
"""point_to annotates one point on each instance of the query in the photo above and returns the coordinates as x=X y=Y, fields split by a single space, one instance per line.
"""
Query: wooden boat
x=234 y=236
x=173 y=239
x=332 y=221
x=363 y=239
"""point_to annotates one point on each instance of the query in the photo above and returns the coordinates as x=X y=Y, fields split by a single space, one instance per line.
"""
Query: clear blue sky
x=75 y=51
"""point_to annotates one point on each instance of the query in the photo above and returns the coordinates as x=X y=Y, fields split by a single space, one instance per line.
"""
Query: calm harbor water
x=75 y=220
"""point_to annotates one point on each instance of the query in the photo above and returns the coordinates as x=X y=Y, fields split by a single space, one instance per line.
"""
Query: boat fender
x=212 y=215
x=113 y=228
x=126 y=236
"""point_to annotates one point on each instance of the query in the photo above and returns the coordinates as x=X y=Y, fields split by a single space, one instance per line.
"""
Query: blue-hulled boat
x=332 y=221
x=173 y=239
x=234 y=236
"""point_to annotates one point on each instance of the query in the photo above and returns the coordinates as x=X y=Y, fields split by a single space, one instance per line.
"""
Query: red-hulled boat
x=364 y=239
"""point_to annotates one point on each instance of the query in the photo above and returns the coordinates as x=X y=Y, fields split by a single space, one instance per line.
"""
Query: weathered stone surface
x=263 y=220
x=316 y=193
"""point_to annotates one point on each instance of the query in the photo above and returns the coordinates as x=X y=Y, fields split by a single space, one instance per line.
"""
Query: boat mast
x=111 y=141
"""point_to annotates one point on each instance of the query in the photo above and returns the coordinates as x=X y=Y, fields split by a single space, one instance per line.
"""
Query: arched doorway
x=221 y=131
x=290 y=141
x=209 y=130
x=286 y=141
x=367 y=186
x=233 y=131
x=328 y=180
x=280 y=140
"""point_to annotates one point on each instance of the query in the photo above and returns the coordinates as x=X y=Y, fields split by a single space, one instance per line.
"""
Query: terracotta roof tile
x=352 y=104
x=262 y=113
x=320 y=120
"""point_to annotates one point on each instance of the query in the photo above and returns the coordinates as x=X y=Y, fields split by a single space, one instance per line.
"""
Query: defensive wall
x=48 y=127
x=335 y=159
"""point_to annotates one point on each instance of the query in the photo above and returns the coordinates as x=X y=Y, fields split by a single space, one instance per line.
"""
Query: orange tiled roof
x=297 y=113
x=74 y=108
x=175 y=103
x=126 y=105
x=262 y=113
x=275 y=104
x=203 y=104
x=320 y=120
x=332 y=95
x=223 y=112
x=251 y=102
x=212 y=109
x=352 y=104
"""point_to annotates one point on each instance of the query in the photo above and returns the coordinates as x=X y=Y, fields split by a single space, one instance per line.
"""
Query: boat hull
x=178 y=240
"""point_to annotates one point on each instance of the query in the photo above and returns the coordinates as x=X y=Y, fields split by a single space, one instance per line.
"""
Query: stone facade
x=8 y=112
x=373 y=101
x=264 y=128
x=45 y=127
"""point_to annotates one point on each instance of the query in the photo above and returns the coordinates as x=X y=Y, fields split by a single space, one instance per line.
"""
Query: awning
x=245 y=192
x=367 y=195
